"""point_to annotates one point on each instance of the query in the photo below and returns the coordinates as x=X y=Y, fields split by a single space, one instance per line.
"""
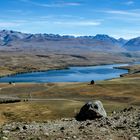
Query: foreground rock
x=91 y=111
x=123 y=125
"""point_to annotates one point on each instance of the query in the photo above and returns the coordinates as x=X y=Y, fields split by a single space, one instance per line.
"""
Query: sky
x=117 y=18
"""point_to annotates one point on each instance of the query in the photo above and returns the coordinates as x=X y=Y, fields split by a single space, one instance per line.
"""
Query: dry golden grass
x=135 y=67
x=39 y=111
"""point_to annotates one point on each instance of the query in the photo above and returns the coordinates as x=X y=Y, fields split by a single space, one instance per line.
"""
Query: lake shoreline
x=64 y=68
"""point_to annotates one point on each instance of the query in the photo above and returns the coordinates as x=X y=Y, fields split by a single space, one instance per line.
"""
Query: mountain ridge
x=133 y=44
x=99 y=42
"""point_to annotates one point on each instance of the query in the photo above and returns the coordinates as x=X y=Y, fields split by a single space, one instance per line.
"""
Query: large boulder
x=91 y=111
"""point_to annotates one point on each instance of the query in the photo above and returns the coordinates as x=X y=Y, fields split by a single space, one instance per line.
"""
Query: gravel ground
x=123 y=125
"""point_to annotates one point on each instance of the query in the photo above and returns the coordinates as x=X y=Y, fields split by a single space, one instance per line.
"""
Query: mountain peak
x=104 y=37
x=133 y=44
x=101 y=36
x=122 y=41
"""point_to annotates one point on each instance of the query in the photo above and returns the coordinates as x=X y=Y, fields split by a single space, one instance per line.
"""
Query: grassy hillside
x=12 y=62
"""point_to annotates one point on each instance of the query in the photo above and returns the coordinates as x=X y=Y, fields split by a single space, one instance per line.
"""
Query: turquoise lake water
x=73 y=74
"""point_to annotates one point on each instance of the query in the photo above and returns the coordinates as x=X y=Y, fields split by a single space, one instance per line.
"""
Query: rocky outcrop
x=91 y=111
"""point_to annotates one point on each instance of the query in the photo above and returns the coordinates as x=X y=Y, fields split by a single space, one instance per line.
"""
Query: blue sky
x=117 y=18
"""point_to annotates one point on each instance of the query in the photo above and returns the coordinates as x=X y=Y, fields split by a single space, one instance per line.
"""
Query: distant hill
x=133 y=44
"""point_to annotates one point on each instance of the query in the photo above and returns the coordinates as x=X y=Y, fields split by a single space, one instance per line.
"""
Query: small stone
x=117 y=118
x=25 y=127
x=88 y=124
x=114 y=112
x=4 y=138
x=125 y=121
x=97 y=137
x=101 y=125
x=5 y=131
x=130 y=108
x=125 y=109
x=81 y=127
x=62 y=128
x=103 y=129
x=46 y=134
x=65 y=119
x=134 y=138
x=17 y=128
x=38 y=138
x=138 y=124
x=74 y=137
x=108 y=123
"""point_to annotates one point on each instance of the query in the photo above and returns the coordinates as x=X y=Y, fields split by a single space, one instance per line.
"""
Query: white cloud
x=14 y=23
x=51 y=5
x=78 y=23
x=72 y=4
x=129 y=3
x=8 y=24
x=57 y=4
x=47 y=24
x=134 y=13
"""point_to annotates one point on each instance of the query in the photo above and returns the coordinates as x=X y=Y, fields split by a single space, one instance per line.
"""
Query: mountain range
x=100 y=42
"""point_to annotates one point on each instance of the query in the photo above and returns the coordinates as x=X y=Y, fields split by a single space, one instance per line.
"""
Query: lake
x=73 y=74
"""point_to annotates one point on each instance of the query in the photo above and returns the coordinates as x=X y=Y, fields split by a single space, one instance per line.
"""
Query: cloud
x=52 y=5
x=8 y=24
x=129 y=3
x=57 y=4
x=65 y=22
x=78 y=23
x=16 y=23
x=49 y=23
x=123 y=16
x=72 y=4
x=134 y=13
